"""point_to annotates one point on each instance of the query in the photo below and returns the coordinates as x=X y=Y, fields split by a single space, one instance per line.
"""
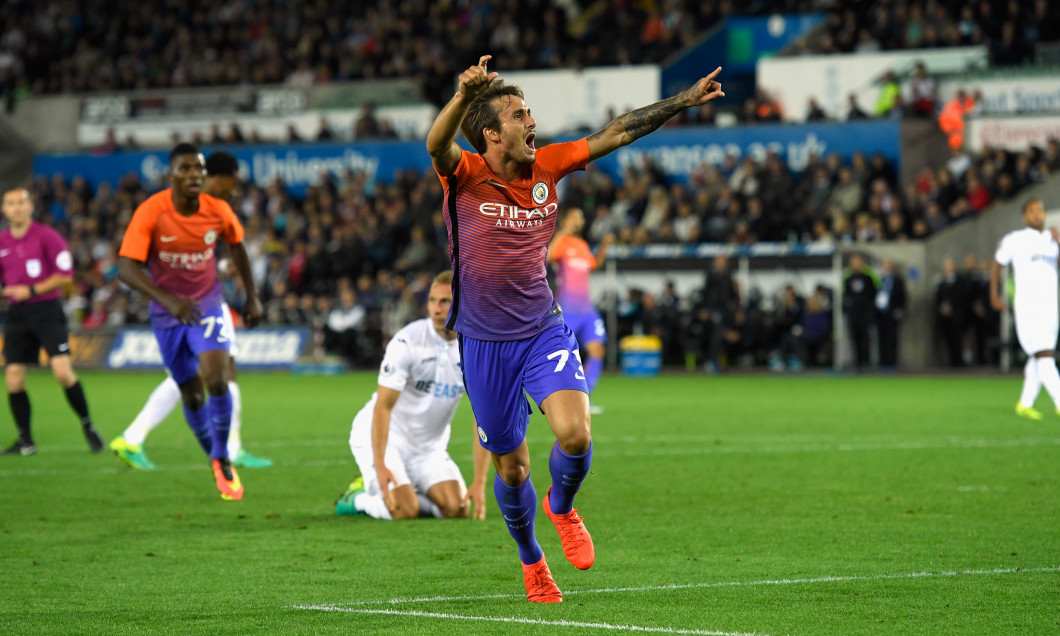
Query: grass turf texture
x=731 y=490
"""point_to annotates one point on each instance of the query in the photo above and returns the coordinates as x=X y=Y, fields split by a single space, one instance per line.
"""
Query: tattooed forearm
x=640 y=122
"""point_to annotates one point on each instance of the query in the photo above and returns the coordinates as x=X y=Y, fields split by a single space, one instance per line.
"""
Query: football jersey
x=426 y=369
x=1033 y=257
x=36 y=256
x=498 y=239
x=574 y=261
x=180 y=250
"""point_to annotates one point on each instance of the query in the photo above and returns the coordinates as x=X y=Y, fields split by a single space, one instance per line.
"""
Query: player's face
x=517 y=129
x=17 y=207
x=221 y=186
x=439 y=298
x=1033 y=216
x=577 y=221
x=187 y=173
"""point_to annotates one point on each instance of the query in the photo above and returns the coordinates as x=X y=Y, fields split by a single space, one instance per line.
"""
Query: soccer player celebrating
x=35 y=266
x=400 y=437
x=221 y=181
x=500 y=211
x=1032 y=252
x=174 y=232
x=575 y=260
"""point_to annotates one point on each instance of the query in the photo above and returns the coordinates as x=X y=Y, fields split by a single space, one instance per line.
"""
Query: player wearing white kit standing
x=400 y=437
x=1032 y=252
x=221 y=180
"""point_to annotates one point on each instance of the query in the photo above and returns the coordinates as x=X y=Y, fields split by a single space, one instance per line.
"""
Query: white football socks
x=372 y=505
x=235 y=442
x=428 y=507
x=1050 y=378
x=1031 y=384
x=163 y=400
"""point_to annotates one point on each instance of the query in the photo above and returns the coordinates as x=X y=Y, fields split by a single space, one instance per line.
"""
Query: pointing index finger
x=714 y=74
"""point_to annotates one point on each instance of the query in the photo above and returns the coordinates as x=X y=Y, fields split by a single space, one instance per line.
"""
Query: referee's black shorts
x=31 y=326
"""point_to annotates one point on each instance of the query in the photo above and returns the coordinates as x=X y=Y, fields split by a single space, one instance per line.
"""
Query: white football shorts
x=410 y=467
x=230 y=327
x=1036 y=328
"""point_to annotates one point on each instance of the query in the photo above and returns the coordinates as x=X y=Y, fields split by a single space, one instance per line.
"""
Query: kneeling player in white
x=400 y=437
x=1032 y=252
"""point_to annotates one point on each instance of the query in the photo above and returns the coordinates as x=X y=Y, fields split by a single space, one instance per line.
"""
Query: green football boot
x=131 y=454
x=1028 y=412
x=344 y=506
x=246 y=460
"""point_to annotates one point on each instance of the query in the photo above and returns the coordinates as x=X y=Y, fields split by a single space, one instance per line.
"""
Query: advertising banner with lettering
x=259 y=349
x=298 y=165
x=1012 y=133
x=676 y=151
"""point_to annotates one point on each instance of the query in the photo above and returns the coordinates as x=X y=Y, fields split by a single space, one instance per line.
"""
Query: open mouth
x=530 y=141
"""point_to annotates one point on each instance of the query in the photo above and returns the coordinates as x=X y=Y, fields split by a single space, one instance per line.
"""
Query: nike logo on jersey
x=4 y=253
x=167 y=239
x=430 y=359
x=494 y=183
x=64 y=347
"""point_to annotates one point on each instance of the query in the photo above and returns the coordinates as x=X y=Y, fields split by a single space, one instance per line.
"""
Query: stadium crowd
x=1007 y=27
x=67 y=47
x=372 y=246
x=100 y=45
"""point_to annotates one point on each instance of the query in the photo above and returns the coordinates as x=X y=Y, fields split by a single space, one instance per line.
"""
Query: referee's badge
x=33 y=267
x=540 y=192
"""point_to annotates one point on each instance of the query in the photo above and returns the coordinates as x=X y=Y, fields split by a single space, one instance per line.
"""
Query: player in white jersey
x=1032 y=253
x=400 y=437
x=221 y=181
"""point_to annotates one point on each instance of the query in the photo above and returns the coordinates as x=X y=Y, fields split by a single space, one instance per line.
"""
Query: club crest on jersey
x=210 y=238
x=482 y=435
x=540 y=192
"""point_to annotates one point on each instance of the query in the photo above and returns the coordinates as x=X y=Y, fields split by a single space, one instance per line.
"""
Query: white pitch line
x=523 y=621
x=690 y=586
x=662 y=450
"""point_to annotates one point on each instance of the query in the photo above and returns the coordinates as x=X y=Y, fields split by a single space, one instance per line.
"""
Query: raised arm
x=605 y=245
x=441 y=139
x=625 y=129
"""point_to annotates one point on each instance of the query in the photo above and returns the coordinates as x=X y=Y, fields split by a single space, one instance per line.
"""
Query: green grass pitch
x=718 y=505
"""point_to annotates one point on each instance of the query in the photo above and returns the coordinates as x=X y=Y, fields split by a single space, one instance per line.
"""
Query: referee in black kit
x=34 y=266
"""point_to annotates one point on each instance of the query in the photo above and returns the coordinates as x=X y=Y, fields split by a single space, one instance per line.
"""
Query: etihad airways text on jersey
x=515 y=216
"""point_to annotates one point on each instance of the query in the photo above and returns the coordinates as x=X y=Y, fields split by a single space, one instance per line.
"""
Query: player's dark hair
x=222 y=164
x=1028 y=203
x=561 y=218
x=481 y=113
x=181 y=149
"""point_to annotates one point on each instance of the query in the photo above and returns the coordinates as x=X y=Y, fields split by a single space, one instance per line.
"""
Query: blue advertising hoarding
x=676 y=151
x=263 y=349
x=299 y=165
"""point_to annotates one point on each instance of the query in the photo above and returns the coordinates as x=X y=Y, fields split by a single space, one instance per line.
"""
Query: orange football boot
x=540 y=586
x=577 y=544
x=224 y=473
